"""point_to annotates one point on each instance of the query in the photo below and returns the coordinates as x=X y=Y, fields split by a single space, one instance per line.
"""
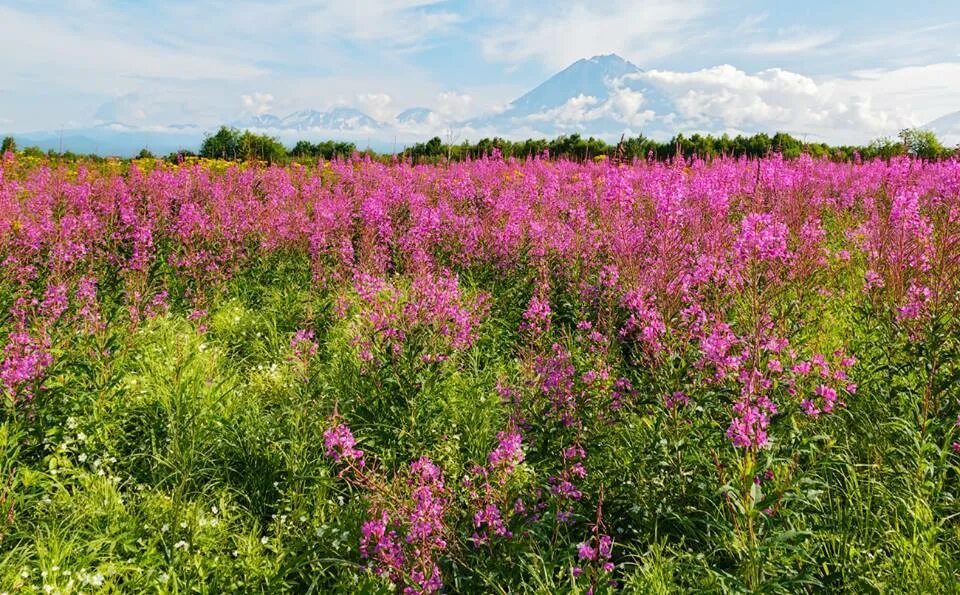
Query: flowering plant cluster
x=405 y=530
x=430 y=318
x=526 y=375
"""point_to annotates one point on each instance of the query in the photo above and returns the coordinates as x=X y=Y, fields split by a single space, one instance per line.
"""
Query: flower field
x=490 y=376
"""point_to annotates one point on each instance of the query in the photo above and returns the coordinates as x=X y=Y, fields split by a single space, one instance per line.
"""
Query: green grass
x=169 y=460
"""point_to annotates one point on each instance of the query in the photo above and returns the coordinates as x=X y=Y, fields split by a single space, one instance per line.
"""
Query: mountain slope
x=600 y=95
x=339 y=118
x=415 y=115
x=947 y=127
x=259 y=121
x=584 y=77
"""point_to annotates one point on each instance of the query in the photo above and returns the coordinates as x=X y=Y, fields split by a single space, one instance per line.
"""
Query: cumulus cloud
x=774 y=99
x=736 y=97
x=850 y=109
x=576 y=110
x=379 y=106
x=446 y=113
x=627 y=105
x=453 y=105
x=257 y=103
x=921 y=92
x=623 y=104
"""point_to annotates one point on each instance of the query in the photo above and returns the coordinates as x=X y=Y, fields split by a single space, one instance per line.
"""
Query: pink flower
x=605 y=547
x=509 y=451
x=339 y=444
x=536 y=318
x=762 y=238
x=586 y=552
x=676 y=400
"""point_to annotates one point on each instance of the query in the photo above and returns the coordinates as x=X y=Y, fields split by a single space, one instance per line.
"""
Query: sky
x=851 y=70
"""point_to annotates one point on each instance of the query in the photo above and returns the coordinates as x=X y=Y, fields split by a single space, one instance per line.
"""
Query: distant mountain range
x=337 y=119
x=599 y=95
x=603 y=96
x=115 y=138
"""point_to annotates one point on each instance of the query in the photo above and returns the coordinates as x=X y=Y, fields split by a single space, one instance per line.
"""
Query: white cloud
x=794 y=42
x=257 y=103
x=576 y=110
x=923 y=92
x=839 y=109
x=142 y=110
x=72 y=58
x=849 y=109
x=394 y=23
x=627 y=105
x=390 y=25
x=453 y=105
x=379 y=106
x=623 y=104
x=446 y=112
x=736 y=98
x=88 y=60
x=751 y=23
x=901 y=47
x=126 y=63
x=641 y=29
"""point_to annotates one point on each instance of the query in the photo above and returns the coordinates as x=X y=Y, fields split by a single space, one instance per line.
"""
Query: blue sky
x=153 y=64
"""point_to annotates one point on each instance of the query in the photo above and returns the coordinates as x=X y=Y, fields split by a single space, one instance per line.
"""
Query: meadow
x=492 y=376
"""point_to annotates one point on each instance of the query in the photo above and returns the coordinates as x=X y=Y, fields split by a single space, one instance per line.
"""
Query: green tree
x=9 y=144
x=922 y=143
x=261 y=147
x=429 y=151
x=434 y=147
x=760 y=145
x=304 y=148
x=343 y=150
x=787 y=145
x=884 y=148
x=225 y=144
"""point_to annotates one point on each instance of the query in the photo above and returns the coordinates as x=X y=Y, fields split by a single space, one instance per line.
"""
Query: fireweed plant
x=487 y=376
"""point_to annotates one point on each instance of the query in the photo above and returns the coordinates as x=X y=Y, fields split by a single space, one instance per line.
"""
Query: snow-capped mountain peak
x=588 y=76
x=603 y=95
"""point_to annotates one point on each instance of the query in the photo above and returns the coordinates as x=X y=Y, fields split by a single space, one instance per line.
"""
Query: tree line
x=916 y=142
x=233 y=144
